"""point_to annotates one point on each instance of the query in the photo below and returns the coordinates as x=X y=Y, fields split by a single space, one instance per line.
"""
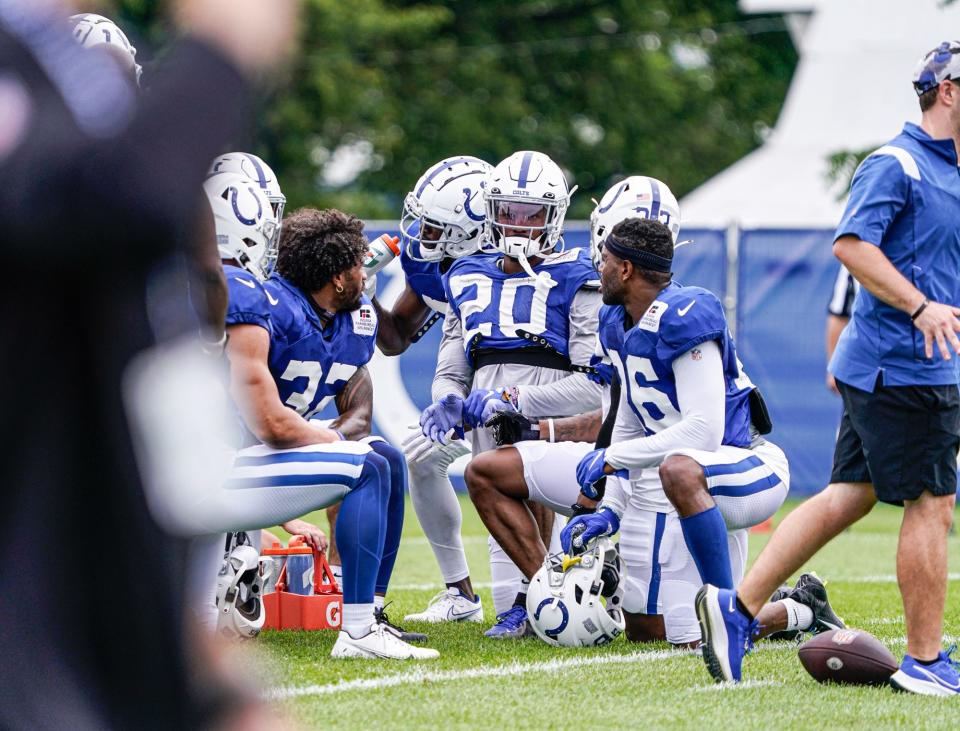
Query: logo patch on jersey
x=364 y=320
x=696 y=354
x=651 y=318
x=567 y=256
x=684 y=310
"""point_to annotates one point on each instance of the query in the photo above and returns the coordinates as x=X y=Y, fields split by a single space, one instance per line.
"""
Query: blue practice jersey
x=309 y=362
x=492 y=306
x=678 y=320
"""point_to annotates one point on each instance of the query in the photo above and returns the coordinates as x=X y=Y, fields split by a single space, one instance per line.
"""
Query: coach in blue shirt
x=896 y=367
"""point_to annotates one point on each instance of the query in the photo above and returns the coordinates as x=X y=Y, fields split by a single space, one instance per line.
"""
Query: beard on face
x=350 y=298
x=610 y=293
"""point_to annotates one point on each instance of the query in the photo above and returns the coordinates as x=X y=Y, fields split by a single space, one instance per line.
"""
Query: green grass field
x=484 y=684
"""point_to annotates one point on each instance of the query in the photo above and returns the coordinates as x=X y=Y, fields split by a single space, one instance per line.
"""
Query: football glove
x=417 y=447
x=590 y=471
x=370 y=286
x=510 y=427
x=481 y=404
x=577 y=534
x=441 y=416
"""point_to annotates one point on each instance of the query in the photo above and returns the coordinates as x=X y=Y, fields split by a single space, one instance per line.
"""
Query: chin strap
x=525 y=265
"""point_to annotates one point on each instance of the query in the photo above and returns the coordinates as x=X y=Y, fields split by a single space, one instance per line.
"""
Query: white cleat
x=379 y=643
x=449 y=606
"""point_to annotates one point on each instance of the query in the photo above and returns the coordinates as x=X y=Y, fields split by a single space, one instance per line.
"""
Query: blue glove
x=590 y=470
x=482 y=404
x=578 y=533
x=441 y=416
x=603 y=373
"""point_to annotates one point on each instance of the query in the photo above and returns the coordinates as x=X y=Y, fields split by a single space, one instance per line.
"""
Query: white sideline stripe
x=489 y=671
x=422 y=540
x=437 y=587
x=869 y=579
x=878 y=578
x=742 y=685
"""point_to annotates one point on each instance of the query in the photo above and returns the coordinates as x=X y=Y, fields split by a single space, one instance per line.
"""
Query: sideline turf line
x=863 y=579
x=419 y=675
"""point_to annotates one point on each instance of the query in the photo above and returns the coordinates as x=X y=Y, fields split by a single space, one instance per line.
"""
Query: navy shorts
x=903 y=439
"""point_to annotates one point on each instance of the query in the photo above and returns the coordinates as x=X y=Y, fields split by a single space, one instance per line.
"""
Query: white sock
x=799 y=616
x=438 y=510
x=505 y=576
x=377 y=601
x=357 y=619
x=337 y=571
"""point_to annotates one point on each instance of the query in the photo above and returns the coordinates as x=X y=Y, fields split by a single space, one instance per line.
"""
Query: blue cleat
x=510 y=625
x=939 y=678
x=727 y=632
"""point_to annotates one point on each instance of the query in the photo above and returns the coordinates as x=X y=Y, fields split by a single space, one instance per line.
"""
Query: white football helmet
x=256 y=169
x=636 y=197
x=244 y=220
x=526 y=199
x=240 y=610
x=91 y=30
x=443 y=214
x=576 y=601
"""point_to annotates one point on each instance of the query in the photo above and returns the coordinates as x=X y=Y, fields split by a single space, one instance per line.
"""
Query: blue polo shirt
x=905 y=198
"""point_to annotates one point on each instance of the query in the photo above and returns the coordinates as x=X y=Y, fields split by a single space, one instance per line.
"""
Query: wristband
x=552 y=437
x=920 y=309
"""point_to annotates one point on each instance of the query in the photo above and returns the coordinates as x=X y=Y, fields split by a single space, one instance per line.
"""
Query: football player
x=524 y=316
x=660 y=576
x=297 y=341
x=686 y=439
x=441 y=222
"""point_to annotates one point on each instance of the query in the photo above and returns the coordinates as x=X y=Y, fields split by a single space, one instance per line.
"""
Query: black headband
x=645 y=259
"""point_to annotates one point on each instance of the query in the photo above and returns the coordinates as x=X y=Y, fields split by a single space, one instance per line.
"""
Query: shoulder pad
x=248 y=300
x=689 y=316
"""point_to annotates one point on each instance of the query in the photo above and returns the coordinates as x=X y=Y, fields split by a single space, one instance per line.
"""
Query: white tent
x=851 y=91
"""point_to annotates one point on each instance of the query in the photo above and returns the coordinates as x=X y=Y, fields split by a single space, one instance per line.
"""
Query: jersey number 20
x=536 y=319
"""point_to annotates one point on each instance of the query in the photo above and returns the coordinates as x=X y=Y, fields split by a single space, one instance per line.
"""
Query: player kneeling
x=297 y=341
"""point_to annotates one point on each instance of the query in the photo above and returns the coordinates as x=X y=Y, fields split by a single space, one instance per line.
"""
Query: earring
x=339 y=289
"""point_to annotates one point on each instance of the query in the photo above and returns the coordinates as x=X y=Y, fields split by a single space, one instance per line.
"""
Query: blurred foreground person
x=99 y=188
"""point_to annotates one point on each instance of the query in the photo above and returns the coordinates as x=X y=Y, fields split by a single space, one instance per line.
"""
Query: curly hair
x=644 y=234
x=316 y=245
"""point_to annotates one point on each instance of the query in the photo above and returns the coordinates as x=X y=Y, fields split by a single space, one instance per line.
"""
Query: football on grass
x=849 y=656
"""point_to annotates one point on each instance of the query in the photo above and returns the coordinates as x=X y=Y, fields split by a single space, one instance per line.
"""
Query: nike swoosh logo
x=245 y=282
x=683 y=311
x=270 y=299
x=464 y=614
x=938 y=680
x=733 y=607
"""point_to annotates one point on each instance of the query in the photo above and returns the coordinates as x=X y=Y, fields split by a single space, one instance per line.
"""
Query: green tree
x=678 y=90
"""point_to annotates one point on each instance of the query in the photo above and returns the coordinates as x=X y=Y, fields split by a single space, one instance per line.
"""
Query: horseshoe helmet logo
x=564 y=616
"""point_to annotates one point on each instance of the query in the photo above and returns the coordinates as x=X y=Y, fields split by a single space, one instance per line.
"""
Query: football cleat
x=727 y=632
x=379 y=643
x=940 y=678
x=381 y=618
x=812 y=591
x=450 y=605
x=511 y=625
